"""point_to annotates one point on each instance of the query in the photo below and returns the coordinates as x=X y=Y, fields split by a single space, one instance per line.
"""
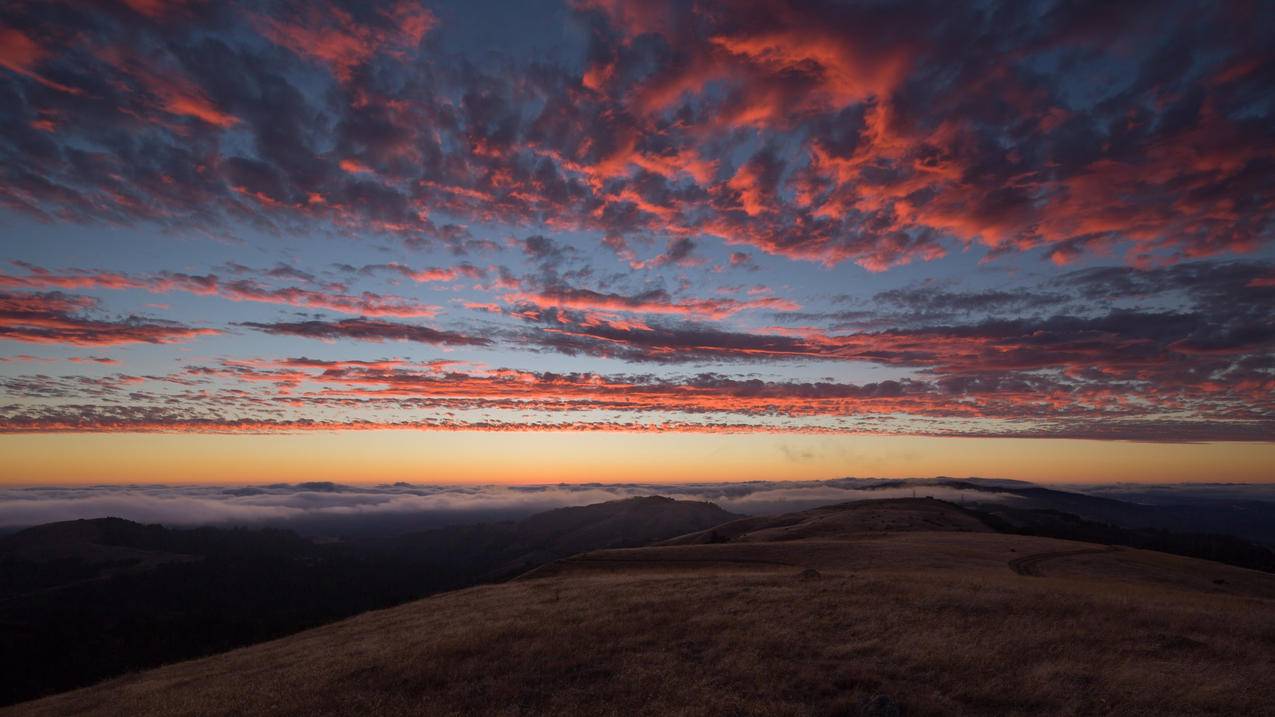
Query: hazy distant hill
x=87 y=599
x=73 y=552
x=502 y=549
x=876 y=516
x=1240 y=517
x=856 y=609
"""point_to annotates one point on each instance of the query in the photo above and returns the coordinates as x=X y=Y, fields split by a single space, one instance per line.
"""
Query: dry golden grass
x=936 y=621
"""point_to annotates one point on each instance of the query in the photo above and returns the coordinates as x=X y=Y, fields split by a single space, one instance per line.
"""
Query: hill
x=843 y=520
x=795 y=616
x=1173 y=510
x=88 y=599
x=500 y=550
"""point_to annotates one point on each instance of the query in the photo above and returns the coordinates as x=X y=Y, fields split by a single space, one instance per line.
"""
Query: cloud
x=330 y=34
x=163 y=88
x=654 y=301
x=21 y=54
x=1180 y=353
x=366 y=303
x=56 y=318
x=698 y=136
x=1122 y=341
x=1012 y=420
x=364 y=329
x=876 y=134
x=428 y=274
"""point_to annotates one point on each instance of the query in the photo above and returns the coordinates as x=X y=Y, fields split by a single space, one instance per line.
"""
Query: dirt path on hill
x=1029 y=565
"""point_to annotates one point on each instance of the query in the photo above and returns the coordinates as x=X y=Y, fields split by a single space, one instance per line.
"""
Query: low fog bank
x=319 y=507
x=333 y=508
x=1178 y=493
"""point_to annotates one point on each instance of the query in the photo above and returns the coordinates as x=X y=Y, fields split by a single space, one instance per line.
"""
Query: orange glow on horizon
x=514 y=458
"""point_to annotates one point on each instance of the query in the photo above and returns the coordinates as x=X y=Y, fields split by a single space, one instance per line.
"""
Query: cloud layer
x=283 y=503
x=828 y=132
x=1048 y=219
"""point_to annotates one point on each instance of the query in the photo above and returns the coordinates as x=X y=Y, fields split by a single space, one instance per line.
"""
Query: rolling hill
x=88 y=599
x=875 y=608
x=1174 y=510
x=501 y=550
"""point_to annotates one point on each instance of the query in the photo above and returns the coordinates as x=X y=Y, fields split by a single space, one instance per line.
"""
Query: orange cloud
x=331 y=35
x=20 y=54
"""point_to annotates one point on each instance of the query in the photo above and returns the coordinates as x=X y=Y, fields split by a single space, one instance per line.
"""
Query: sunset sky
x=601 y=241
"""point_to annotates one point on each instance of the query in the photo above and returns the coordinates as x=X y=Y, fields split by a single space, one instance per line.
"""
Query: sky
x=649 y=242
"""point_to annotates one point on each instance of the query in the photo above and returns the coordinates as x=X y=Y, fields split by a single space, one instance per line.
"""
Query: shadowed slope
x=85 y=600
x=509 y=548
x=844 y=520
x=935 y=621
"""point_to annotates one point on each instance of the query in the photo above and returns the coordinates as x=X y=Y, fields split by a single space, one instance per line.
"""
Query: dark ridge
x=85 y=600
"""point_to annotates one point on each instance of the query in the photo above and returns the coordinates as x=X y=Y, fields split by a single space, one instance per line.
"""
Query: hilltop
x=505 y=549
x=866 y=608
x=844 y=520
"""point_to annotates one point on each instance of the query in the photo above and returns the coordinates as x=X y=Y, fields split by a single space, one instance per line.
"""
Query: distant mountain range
x=1164 y=510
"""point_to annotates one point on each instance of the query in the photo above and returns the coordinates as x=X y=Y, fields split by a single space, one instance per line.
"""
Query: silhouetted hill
x=87 y=599
x=504 y=549
x=1208 y=546
x=68 y=552
x=874 y=516
x=621 y=523
x=856 y=610
x=1242 y=518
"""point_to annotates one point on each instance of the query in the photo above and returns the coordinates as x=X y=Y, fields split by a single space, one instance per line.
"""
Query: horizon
x=325 y=508
x=654 y=483
x=116 y=458
x=575 y=241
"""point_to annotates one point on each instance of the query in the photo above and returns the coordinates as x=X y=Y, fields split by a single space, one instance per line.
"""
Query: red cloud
x=53 y=318
x=167 y=88
x=20 y=54
x=1036 y=406
x=173 y=424
x=429 y=274
x=878 y=133
x=334 y=37
x=354 y=166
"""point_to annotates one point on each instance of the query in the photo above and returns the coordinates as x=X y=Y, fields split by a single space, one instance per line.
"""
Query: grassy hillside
x=84 y=600
x=862 y=622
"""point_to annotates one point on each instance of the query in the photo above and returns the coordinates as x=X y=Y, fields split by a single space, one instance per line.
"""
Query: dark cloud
x=933 y=300
x=1218 y=286
x=364 y=329
x=331 y=298
x=545 y=251
x=1119 y=337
